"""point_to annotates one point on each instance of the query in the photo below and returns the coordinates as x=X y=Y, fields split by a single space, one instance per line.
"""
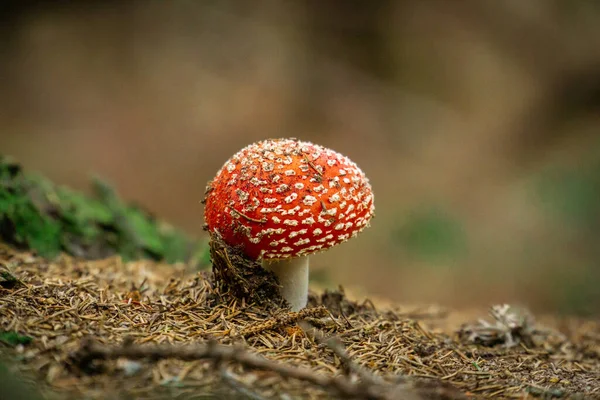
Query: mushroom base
x=292 y=275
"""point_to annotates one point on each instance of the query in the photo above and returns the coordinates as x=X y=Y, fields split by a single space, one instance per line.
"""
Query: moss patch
x=39 y=215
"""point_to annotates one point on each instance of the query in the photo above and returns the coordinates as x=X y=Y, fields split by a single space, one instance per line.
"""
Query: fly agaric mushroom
x=284 y=199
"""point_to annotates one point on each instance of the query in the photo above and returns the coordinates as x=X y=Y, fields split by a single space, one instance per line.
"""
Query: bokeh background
x=476 y=121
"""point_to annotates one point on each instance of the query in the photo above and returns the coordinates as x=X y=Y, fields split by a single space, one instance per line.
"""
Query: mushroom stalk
x=293 y=278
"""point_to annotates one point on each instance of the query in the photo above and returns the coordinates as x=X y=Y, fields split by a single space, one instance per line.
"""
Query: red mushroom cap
x=286 y=198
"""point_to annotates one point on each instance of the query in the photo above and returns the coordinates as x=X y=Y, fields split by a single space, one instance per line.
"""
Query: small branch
x=91 y=351
x=319 y=173
x=284 y=319
x=373 y=386
x=260 y=221
x=338 y=349
x=231 y=380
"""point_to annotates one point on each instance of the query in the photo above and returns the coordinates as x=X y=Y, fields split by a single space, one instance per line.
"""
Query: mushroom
x=284 y=199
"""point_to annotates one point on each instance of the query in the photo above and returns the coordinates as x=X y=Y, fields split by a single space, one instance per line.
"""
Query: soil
x=108 y=329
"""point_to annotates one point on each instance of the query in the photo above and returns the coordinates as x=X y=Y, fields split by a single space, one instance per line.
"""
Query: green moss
x=13 y=338
x=39 y=215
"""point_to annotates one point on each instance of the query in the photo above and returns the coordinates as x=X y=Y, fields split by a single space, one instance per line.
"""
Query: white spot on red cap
x=282 y=188
x=309 y=200
x=243 y=196
x=308 y=221
x=257 y=182
x=291 y=197
x=302 y=242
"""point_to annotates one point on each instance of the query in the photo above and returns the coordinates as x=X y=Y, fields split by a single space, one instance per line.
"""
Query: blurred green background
x=476 y=121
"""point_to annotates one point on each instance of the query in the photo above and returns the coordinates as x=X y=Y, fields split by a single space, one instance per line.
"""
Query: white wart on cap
x=284 y=199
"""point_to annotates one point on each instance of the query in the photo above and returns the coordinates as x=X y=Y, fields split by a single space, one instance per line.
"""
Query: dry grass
x=220 y=346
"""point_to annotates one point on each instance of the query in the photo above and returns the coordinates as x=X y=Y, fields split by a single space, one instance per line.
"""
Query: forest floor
x=72 y=328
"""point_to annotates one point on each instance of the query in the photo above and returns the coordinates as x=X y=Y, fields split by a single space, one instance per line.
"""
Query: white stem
x=293 y=278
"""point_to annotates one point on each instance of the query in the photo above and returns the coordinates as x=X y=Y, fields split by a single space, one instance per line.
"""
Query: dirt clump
x=236 y=275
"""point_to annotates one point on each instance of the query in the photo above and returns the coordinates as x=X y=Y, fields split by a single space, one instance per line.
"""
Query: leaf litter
x=113 y=329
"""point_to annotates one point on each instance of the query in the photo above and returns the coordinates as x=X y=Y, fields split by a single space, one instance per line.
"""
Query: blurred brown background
x=476 y=121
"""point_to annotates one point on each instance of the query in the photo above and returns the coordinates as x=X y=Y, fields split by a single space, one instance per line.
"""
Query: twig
x=338 y=349
x=91 y=351
x=284 y=319
x=404 y=387
x=313 y=166
x=238 y=386
x=262 y=220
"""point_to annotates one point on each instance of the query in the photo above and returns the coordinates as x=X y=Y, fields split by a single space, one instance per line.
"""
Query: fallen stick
x=91 y=351
x=367 y=387
x=336 y=346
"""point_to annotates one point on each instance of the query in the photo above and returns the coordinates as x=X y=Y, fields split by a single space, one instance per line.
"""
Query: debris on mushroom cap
x=285 y=198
